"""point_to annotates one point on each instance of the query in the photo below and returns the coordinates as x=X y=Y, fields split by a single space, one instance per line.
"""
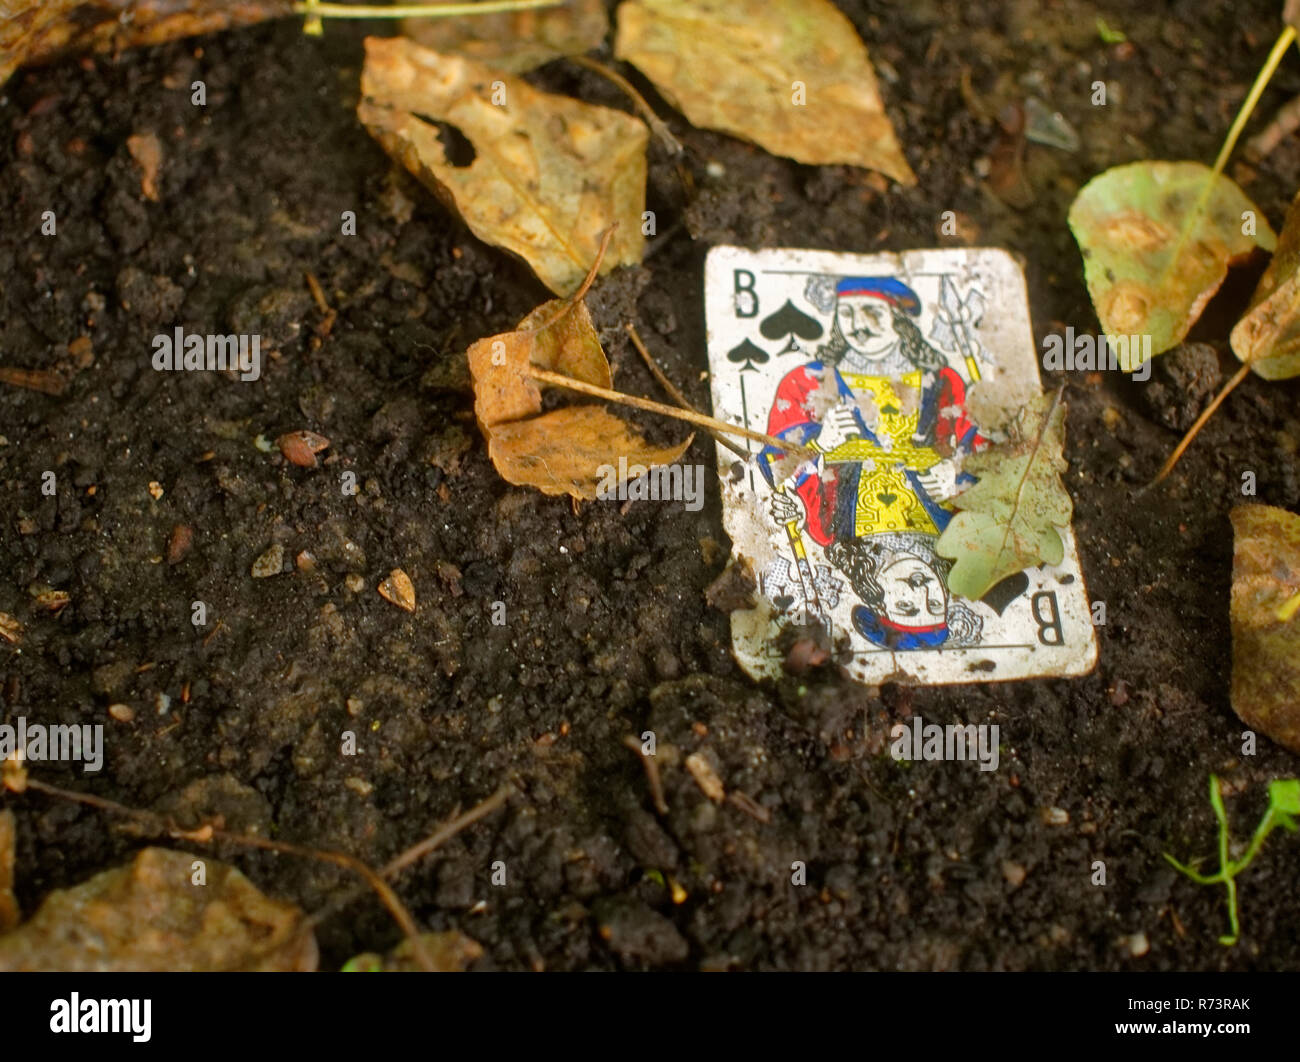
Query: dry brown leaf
x=736 y=66
x=148 y=915
x=1268 y=336
x=563 y=452
x=515 y=41
x=1265 y=632
x=33 y=31
x=549 y=176
x=8 y=905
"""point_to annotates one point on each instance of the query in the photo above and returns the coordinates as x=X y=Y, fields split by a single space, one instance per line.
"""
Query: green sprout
x=1283 y=802
x=1108 y=34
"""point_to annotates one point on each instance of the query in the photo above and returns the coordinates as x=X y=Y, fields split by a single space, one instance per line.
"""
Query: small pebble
x=269 y=563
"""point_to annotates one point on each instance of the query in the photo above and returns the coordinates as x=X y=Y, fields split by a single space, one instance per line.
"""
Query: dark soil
x=607 y=630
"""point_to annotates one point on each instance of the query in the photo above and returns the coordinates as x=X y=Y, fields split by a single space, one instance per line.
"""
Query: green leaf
x=1284 y=795
x=1009 y=518
x=1157 y=240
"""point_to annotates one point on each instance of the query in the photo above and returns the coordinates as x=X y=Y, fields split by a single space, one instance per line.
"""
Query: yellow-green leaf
x=549 y=176
x=1157 y=240
x=790 y=75
x=1265 y=645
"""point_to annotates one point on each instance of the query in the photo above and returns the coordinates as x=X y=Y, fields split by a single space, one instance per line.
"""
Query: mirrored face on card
x=894 y=368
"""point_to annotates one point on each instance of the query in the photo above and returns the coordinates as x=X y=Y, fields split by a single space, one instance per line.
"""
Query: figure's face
x=914 y=595
x=867 y=324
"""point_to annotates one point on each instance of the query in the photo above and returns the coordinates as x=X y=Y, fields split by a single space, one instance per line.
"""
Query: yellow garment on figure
x=886 y=500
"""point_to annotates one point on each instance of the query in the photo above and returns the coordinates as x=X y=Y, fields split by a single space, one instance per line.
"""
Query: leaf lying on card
x=790 y=75
x=33 y=31
x=1157 y=240
x=148 y=915
x=1008 y=520
x=568 y=450
x=549 y=174
x=1268 y=336
x=1266 y=621
x=515 y=41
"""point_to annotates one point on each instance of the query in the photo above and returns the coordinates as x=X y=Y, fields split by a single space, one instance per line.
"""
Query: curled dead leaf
x=549 y=176
x=1268 y=336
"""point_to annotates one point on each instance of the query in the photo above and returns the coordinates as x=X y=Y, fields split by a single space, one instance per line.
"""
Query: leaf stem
x=558 y=380
x=488 y=7
x=671 y=387
x=1262 y=79
x=656 y=124
x=1206 y=414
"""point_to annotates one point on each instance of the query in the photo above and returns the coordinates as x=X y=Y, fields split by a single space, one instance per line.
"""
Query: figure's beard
x=888 y=360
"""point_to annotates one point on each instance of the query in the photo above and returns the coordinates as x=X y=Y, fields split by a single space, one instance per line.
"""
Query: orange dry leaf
x=571 y=450
x=33 y=31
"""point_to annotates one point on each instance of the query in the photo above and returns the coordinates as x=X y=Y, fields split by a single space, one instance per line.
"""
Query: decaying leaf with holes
x=1008 y=520
x=1267 y=338
x=570 y=449
x=549 y=175
x=789 y=75
x=1266 y=621
x=515 y=41
x=35 y=31
x=1157 y=240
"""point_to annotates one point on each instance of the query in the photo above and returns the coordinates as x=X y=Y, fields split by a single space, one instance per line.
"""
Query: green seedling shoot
x=1283 y=803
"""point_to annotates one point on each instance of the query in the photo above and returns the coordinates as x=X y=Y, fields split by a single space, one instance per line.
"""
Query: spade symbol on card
x=1003 y=593
x=750 y=354
x=790 y=322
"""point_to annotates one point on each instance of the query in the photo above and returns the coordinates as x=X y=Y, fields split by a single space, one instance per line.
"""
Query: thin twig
x=43 y=380
x=486 y=7
x=161 y=825
x=651 y=774
x=656 y=124
x=418 y=851
x=673 y=392
x=1282 y=125
x=558 y=380
x=1192 y=432
x=568 y=304
x=1280 y=46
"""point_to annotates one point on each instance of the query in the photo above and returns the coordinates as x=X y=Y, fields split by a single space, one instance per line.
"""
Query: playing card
x=897 y=367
